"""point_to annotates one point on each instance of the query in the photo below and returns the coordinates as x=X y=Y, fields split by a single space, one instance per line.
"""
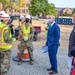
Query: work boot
x=20 y=62
x=31 y=62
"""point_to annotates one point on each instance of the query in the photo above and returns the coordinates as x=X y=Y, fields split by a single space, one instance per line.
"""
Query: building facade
x=62 y=11
x=23 y=10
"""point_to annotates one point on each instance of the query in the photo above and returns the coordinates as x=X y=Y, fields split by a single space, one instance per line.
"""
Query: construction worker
x=26 y=34
x=5 y=44
x=1 y=13
x=46 y=28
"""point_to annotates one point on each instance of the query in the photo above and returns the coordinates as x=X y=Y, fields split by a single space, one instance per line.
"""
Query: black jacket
x=71 y=42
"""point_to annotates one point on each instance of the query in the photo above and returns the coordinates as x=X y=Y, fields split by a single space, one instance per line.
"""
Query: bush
x=68 y=15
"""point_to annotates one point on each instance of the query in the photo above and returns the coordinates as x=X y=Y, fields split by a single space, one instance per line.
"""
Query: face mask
x=50 y=20
x=27 y=20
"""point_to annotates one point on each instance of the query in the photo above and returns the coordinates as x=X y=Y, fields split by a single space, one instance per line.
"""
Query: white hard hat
x=5 y=16
x=28 y=16
x=1 y=13
x=21 y=17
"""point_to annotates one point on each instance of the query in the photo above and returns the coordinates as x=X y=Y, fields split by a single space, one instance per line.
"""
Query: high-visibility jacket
x=25 y=31
x=3 y=45
x=46 y=30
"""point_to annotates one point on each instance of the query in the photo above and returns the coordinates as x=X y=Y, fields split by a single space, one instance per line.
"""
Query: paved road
x=41 y=63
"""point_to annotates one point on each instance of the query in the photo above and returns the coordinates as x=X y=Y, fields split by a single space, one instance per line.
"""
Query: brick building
x=62 y=11
x=23 y=10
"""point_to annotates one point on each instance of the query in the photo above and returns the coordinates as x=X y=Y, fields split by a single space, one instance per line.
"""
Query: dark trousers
x=52 y=50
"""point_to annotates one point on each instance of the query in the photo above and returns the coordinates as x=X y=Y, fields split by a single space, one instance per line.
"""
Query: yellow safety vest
x=25 y=31
x=4 y=46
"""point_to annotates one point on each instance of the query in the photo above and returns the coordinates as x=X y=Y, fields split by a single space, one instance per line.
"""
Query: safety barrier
x=64 y=21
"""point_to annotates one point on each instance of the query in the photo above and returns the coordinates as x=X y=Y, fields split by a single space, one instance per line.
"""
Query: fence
x=65 y=21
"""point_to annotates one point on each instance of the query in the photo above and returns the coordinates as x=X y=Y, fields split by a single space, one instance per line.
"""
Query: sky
x=63 y=3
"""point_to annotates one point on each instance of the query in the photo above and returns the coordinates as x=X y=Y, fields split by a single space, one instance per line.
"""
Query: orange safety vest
x=4 y=46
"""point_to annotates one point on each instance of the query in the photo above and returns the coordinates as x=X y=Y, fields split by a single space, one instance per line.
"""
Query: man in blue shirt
x=53 y=44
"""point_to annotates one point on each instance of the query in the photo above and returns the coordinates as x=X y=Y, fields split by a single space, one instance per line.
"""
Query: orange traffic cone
x=25 y=55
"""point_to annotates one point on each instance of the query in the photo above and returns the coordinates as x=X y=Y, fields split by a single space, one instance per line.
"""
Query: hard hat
x=28 y=16
x=5 y=16
x=1 y=13
x=21 y=17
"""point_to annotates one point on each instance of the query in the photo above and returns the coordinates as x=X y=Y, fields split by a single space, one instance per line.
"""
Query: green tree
x=73 y=11
x=38 y=6
x=52 y=10
x=3 y=3
x=43 y=7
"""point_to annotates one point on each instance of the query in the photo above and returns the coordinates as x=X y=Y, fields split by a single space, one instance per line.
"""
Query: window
x=27 y=4
x=15 y=10
x=16 y=4
x=27 y=10
x=23 y=10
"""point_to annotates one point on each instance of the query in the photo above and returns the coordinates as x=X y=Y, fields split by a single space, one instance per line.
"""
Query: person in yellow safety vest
x=5 y=44
x=1 y=13
x=46 y=28
x=26 y=34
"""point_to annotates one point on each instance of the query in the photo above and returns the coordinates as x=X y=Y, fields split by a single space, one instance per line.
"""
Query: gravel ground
x=41 y=63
